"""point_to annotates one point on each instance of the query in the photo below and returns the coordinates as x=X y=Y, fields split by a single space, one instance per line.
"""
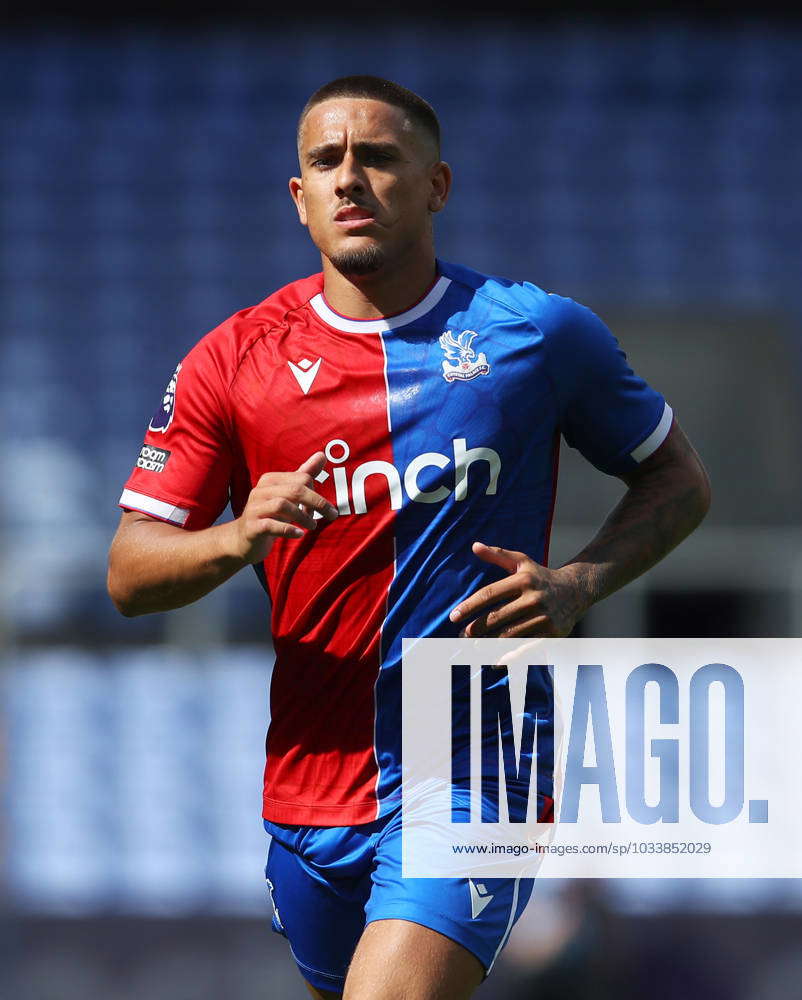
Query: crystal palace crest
x=462 y=362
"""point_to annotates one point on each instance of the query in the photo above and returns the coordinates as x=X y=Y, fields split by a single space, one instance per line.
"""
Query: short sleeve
x=184 y=467
x=606 y=411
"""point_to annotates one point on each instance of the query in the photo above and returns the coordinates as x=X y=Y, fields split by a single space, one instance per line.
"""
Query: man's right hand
x=154 y=566
x=280 y=506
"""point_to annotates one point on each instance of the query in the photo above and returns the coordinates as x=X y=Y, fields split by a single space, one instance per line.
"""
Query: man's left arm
x=668 y=495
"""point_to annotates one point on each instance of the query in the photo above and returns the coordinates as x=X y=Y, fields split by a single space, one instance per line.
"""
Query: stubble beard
x=359 y=261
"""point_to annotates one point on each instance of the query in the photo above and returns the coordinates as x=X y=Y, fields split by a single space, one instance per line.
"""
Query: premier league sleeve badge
x=163 y=416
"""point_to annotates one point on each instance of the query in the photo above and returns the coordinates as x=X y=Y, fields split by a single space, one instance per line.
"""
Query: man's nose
x=349 y=177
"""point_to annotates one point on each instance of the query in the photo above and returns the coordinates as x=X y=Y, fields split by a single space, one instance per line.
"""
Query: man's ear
x=441 y=186
x=297 y=195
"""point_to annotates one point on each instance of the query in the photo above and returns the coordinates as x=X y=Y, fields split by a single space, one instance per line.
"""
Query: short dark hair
x=377 y=88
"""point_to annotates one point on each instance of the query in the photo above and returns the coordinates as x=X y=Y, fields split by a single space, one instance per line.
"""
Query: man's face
x=370 y=180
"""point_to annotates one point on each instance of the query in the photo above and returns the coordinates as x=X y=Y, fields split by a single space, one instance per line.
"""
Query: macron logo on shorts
x=480 y=897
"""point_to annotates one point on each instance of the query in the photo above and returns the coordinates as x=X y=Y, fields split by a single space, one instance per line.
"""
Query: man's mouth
x=354 y=217
x=352 y=212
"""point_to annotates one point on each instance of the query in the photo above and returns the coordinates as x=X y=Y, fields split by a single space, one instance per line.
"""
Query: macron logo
x=305 y=372
x=480 y=897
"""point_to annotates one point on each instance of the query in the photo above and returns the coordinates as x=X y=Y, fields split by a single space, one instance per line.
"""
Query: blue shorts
x=327 y=883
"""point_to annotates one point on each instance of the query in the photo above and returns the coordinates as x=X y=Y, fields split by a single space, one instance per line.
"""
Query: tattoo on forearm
x=663 y=505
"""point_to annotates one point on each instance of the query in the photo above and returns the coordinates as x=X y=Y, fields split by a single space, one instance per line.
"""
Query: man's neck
x=391 y=290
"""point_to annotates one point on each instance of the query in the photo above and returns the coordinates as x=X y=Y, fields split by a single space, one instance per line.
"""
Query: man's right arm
x=154 y=566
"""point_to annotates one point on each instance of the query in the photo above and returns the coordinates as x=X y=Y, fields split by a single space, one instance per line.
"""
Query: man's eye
x=322 y=163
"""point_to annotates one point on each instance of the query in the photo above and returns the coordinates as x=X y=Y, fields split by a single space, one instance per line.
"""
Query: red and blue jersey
x=441 y=425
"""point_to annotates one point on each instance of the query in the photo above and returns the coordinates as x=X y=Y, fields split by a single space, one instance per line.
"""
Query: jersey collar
x=383 y=323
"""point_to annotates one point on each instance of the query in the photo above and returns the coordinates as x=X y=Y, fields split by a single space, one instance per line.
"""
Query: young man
x=370 y=425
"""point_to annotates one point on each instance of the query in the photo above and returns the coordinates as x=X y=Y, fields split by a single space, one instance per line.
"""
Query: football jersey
x=441 y=426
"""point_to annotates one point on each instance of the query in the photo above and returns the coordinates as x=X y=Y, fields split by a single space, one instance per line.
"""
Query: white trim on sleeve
x=149 y=505
x=656 y=438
